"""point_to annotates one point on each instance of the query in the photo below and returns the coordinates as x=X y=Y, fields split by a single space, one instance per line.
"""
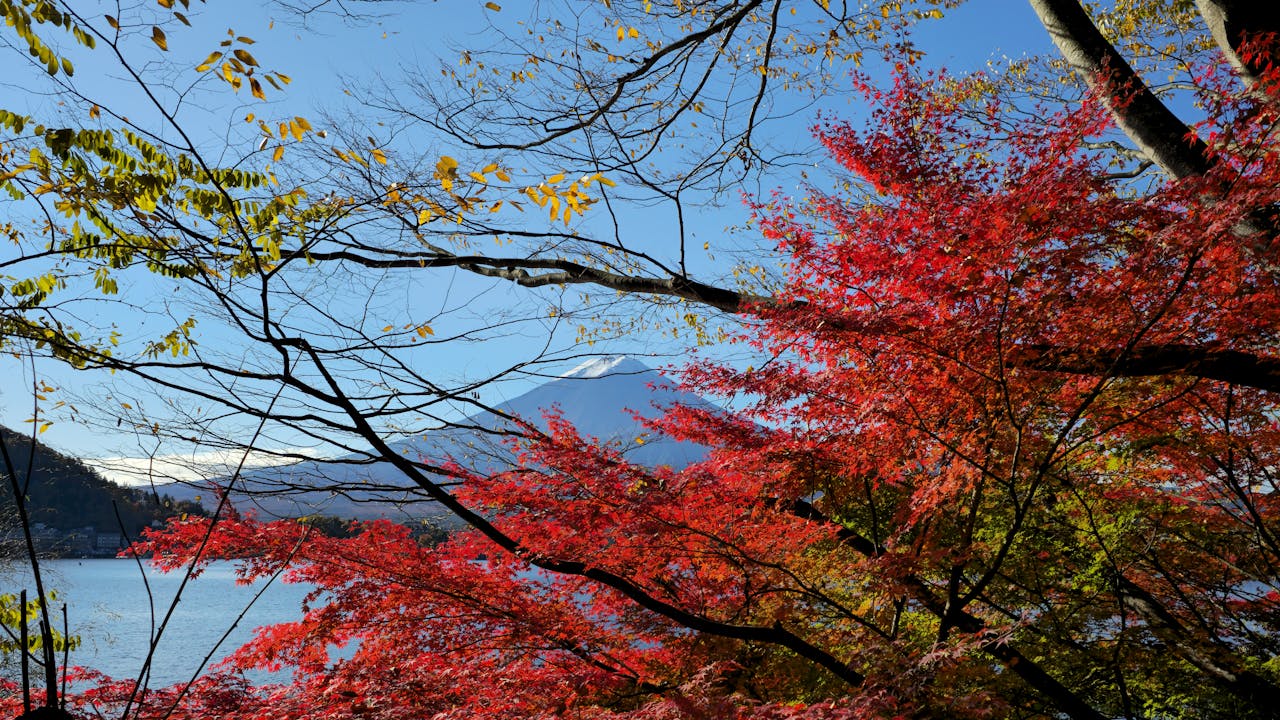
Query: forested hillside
x=65 y=493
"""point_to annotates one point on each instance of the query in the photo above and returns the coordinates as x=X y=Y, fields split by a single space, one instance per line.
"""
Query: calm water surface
x=108 y=607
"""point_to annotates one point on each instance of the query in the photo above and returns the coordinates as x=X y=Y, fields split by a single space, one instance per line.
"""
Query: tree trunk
x=1157 y=132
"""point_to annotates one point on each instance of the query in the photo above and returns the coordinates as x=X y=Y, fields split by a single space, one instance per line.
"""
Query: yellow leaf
x=387 y=328
x=477 y=177
x=493 y=6
x=157 y=37
x=167 y=4
x=279 y=153
x=446 y=171
x=424 y=216
x=255 y=87
x=425 y=330
x=45 y=426
x=380 y=156
x=296 y=129
x=633 y=33
x=489 y=168
x=115 y=25
x=214 y=57
x=621 y=33
x=555 y=178
x=503 y=176
x=245 y=57
x=94 y=112
x=606 y=181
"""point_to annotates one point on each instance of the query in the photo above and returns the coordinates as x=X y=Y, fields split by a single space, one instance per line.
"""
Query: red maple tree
x=1010 y=451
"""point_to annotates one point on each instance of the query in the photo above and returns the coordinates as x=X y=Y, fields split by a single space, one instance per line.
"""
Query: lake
x=108 y=607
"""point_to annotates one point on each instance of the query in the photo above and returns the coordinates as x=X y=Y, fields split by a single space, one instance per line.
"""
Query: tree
x=400 y=217
x=1017 y=453
x=754 y=63
x=909 y=520
x=704 y=88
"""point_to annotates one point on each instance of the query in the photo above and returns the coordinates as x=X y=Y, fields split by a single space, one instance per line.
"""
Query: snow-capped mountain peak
x=599 y=367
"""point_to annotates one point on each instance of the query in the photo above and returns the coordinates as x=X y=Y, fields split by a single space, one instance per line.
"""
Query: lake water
x=108 y=607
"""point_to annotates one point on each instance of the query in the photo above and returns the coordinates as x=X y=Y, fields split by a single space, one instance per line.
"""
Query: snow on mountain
x=598 y=397
x=602 y=366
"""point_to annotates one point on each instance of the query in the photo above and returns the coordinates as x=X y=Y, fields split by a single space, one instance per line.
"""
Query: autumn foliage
x=1010 y=450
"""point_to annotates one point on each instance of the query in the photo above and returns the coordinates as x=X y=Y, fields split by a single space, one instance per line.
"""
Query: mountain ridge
x=598 y=397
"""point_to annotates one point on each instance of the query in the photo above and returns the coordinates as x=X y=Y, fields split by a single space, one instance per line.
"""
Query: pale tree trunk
x=1150 y=125
x=1232 y=22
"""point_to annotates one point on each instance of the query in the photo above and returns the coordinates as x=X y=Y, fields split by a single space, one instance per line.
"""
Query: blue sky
x=323 y=58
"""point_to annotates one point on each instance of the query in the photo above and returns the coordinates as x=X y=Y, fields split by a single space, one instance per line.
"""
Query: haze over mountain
x=63 y=494
x=599 y=397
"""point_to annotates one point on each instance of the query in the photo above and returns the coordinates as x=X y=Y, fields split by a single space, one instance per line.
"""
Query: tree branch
x=1060 y=695
x=1215 y=662
x=1230 y=366
x=561 y=272
x=1236 y=367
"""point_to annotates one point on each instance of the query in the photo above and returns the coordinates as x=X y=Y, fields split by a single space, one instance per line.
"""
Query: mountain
x=598 y=397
